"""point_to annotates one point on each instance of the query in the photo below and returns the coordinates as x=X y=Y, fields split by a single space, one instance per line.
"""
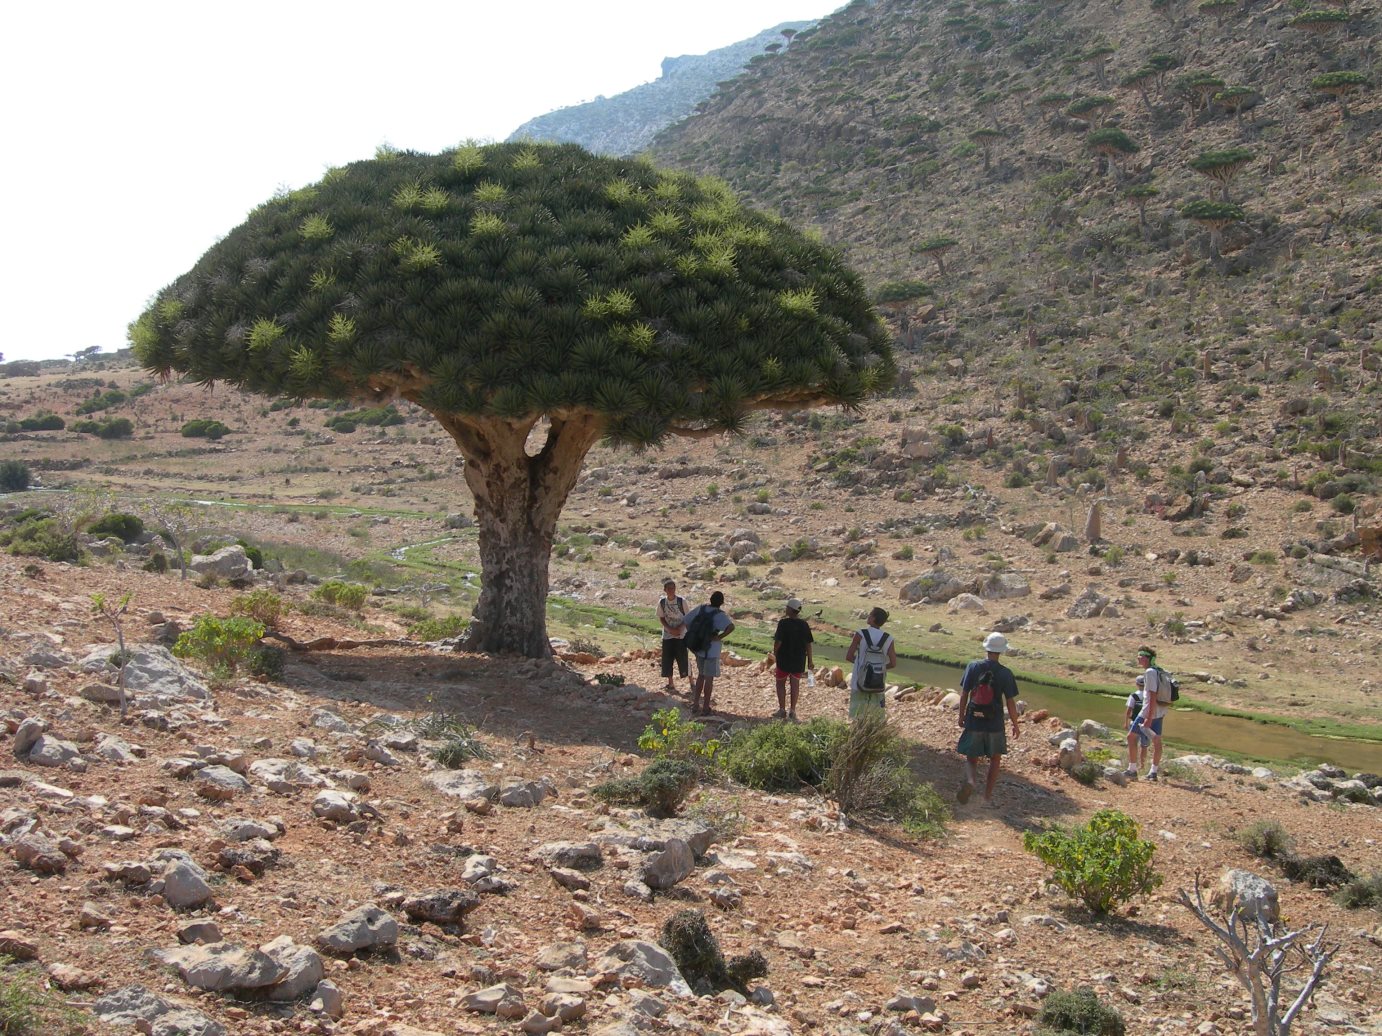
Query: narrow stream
x=1186 y=729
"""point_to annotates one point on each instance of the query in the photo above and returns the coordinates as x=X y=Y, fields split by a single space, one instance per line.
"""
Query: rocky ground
x=286 y=856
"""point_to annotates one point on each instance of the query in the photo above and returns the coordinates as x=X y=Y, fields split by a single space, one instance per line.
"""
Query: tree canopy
x=519 y=291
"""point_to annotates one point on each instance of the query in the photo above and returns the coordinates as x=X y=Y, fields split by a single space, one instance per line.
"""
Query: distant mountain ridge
x=627 y=123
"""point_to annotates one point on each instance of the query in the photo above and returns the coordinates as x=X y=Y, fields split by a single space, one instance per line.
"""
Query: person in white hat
x=986 y=687
x=792 y=657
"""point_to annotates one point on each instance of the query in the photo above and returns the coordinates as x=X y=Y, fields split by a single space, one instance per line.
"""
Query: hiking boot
x=1151 y=775
x=1130 y=773
x=792 y=717
x=965 y=791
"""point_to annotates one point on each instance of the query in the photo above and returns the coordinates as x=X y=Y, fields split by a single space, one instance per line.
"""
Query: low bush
x=126 y=527
x=1102 y=863
x=42 y=423
x=1319 y=872
x=263 y=606
x=15 y=476
x=224 y=645
x=342 y=594
x=439 y=628
x=669 y=736
x=1266 y=839
x=265 y=662
x=35 y=534
x=204 y=428
x=609 y=679
x=1365 y=890
x=687 y=937
x=1079 y=1012
x=783 y=756
x=660 y=789
x=1087 y=772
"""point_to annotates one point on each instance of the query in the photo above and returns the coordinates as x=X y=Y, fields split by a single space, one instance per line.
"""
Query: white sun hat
x=996 y=642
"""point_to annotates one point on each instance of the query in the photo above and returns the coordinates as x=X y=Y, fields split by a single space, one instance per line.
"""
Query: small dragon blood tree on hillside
x=534 y=299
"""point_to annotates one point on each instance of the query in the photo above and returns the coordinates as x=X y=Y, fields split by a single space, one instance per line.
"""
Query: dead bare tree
x=1262 y=953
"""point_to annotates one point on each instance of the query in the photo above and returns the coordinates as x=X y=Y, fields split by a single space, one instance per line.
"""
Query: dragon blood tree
x=534 y=299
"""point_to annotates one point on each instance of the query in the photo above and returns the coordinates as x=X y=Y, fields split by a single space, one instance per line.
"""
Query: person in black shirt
x=792 y=652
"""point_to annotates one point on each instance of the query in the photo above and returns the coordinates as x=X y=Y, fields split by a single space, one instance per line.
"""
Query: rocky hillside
x=1091 y=203
x=627 y=123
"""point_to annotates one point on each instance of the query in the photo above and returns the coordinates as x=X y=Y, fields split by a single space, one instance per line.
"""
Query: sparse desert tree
x=1198 y=89
x=1215 y=216
x=1094 y=109
x=1098 y=57
x=1261 y=954
x=1140 y=79
x=987 y=139
x=987 y=102
x=15 y=476
x=1162 y=64
x=1221 y=166
x=1220 y=10
x=1167 y=9
x=936 y=247
x=1235 y=99
x=1050 y=103
x=1139 y=195
x=1320 y=22
x=174 y=521
x=1340 y=85
x=1114 y=145
x=114 y=612
x=535 y=299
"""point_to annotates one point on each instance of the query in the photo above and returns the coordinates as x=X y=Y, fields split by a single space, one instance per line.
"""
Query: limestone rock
x=219 y=783
x=648 y=963
x=52 y=751
x=1253 y=896
x=131 y=1005
x=150 y=672
x=185 y=885
x=361 y=929
x=222 y=966
x=229 y=563
x=39 y=854
x=302 y=968
x=664 y=869
x=440 y=906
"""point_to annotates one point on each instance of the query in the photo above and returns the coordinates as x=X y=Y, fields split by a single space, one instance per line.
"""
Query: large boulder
x=222 y=966
x=664 y=869
x=231 y=564
x=649 y=964
x=1253 y=896
x=362 y=929
x=150 y=672
x=302 y=968
x=131 y=1005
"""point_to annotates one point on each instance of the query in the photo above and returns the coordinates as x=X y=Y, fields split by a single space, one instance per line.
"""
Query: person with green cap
x=1153 y=712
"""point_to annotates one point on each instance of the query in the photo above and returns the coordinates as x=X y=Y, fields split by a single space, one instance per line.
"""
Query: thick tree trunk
x=518 y=498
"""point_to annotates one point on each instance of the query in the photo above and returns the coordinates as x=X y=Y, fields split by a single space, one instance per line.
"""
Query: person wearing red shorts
x=792 y=652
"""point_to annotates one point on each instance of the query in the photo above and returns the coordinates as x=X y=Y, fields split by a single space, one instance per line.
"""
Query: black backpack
x=701 y=631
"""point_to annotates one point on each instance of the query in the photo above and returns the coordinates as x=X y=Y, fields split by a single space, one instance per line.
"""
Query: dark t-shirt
x=1004 y=686
x=794 y=634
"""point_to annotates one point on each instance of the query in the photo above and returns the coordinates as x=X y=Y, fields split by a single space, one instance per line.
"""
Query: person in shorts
x=708 y=661
x=792 y=657
x=986 y=688
x=1138 y=735
x=869 y=640
x=1153 y=712
x=671 y=613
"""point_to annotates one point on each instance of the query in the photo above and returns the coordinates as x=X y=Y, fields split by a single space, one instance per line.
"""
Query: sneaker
x=1130 y=773
x=1151 y=775
x=792 y=718
x=780 y=714
x=966 y=790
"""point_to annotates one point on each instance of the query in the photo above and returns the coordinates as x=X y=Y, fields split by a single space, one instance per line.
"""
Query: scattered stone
x=1253 y=896
x=441 y=906
x=17 y=946
x=665 y=869
x=132 y=1005
x=185 y=885
x=648 y=963
x=335 y=806
x=221 y=966
x=39 y=854
x=219 y=783
x=199 y=933
x=361 y=929
x=327 y=999
x=302 y=967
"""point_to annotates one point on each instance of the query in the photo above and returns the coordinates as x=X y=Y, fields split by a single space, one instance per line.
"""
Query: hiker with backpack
x=1139 y=737
x=791 y=657
x=671 y=613
x=1159 y=690
x=986 y=688
x=873 y=653
x=706 y=626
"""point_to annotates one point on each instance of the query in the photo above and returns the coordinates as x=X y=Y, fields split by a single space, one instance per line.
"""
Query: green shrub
x=1362 y=891
x=439 y=629
x=222 y=644
x=204 y=428
x=35 y=534
x=266 y=661
x=1265 y=839
x=783 y=756
x=1079 y=1011
x=1087 y=771
x=609 y=679
x=126 y=527
x=42 y=423
x=668 y=736
x=1102 y=863
x=341 y=594
x=869 y=777
x=263 y=606
x=15 y=476
x=102 y=401
x=660 y=788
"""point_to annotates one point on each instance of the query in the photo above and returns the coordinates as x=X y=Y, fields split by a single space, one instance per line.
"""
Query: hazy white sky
x=138 y=133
